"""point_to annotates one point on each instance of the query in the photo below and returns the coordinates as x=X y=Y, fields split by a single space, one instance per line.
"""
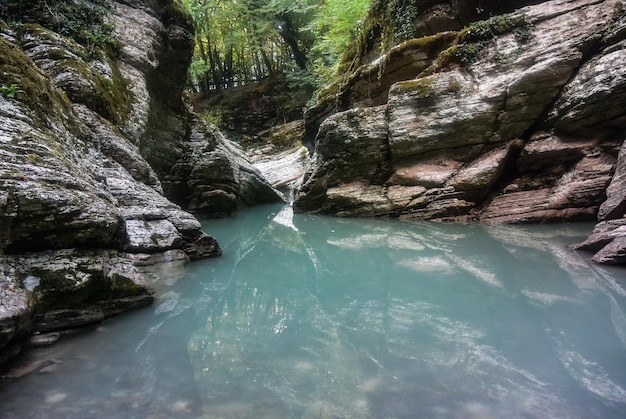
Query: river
x=309 y=316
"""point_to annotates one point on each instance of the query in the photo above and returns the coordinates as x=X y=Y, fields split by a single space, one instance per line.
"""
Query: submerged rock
x=518 y=118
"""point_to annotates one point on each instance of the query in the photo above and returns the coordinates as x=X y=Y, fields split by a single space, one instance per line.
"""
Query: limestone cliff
x=97 y=145
x=517 y=118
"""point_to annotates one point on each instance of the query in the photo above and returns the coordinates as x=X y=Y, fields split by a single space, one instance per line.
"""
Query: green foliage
x=337 y=24
x=243 y=41
x=387 y=23
x=212 y=116
x=404 y=15
x=10 y=91
x=84 y=21
x=302 y=84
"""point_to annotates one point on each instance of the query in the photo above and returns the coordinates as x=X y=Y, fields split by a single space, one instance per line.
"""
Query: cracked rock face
x=528 y=130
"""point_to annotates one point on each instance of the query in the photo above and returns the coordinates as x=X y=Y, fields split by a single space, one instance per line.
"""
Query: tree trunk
x=218 y=73
x=286 y=31
x=228 y=67
x=204 y=85
x=267 y=62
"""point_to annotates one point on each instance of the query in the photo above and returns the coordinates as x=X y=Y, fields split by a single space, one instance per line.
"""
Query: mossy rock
x=253 y=108
x=475 y=37
x=80 y=286
x=60 y=289
x=79 y=73
x=430 y=46
x=420 y=88
x=279 y=138
x=36 y=92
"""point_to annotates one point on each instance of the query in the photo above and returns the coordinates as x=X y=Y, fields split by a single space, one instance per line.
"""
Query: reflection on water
x=317 y=317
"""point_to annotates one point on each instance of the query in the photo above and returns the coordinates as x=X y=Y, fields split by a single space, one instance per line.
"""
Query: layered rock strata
x=92 y=144
x=516 y=119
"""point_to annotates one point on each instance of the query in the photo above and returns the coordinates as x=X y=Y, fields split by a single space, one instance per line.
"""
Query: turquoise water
x=316 y=317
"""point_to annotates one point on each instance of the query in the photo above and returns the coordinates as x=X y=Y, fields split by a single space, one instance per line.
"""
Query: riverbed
x=307 y=316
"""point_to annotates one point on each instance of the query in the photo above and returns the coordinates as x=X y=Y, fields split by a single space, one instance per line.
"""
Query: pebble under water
x=317 y=317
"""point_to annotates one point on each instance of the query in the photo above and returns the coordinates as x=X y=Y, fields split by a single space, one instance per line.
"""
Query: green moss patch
x=475 y=37
x=32 y=87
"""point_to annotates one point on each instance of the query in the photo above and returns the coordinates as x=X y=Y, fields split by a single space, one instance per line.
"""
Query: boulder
x=412 y=35
x=216 y=177
x=603 y=233
x=351 y=145
x=517 y=118
x=613 y=253
x=441 y=111
x=614 y=207
x=198 y=167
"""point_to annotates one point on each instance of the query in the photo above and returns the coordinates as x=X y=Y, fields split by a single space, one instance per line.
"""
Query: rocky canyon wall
x=518 y=118
x=100 y=158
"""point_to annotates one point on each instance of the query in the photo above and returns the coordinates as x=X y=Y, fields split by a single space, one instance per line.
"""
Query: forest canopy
x=244 y=41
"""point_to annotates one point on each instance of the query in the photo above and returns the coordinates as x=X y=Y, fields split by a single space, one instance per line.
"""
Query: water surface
x=315 y=317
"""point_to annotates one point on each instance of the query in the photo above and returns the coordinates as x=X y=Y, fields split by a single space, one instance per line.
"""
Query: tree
x=337 y=23
x=243 y=41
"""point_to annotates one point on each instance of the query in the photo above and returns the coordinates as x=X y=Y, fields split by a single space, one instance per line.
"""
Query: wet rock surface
x=66 y=289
